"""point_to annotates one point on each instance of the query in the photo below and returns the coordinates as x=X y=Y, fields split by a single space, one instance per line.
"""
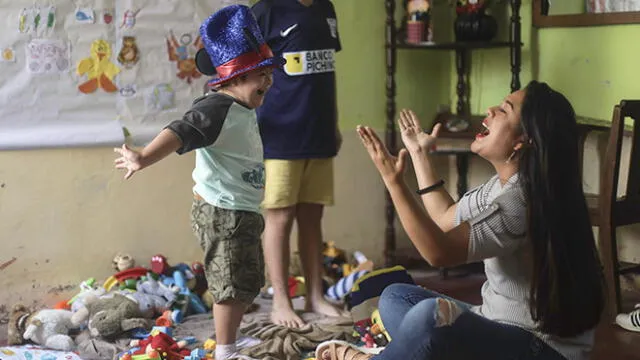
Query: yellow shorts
x=291 y=182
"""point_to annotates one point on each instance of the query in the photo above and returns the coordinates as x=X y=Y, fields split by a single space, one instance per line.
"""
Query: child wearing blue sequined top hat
x=222 y=129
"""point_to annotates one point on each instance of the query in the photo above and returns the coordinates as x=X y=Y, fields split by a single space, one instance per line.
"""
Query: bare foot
x=285 y=316
x=322 y=306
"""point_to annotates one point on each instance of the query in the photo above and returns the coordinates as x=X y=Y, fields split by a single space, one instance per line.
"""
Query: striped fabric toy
x=338 y=291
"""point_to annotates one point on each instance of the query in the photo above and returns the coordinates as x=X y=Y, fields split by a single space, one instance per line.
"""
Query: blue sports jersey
x=298 y=117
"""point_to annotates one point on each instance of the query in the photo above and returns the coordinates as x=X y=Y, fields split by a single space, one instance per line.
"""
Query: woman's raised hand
x=413 y=136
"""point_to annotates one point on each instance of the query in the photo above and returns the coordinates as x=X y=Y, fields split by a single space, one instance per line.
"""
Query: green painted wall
x=422 y=77
x=595 y=67
x=566 y=7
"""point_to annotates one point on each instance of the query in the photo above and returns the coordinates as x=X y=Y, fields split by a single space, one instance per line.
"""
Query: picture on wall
x=96 y=73
x=610 y=6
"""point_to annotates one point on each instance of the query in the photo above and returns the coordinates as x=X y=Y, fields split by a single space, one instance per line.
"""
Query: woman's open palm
x=391 y=167
x=413 y=136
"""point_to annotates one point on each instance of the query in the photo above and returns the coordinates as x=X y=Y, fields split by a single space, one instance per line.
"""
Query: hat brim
x=270 y=62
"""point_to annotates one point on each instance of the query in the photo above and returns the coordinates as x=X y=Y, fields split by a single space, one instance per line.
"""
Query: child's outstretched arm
x=160 y=147
x=199 y=127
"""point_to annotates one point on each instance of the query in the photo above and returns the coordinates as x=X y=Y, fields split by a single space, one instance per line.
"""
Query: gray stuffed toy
x=110 y=317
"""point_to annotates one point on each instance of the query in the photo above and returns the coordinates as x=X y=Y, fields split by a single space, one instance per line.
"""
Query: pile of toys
x=160 y=345
x=340 y=273
x=141 y=303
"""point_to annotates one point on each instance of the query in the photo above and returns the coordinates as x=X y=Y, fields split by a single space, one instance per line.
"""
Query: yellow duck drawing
x=99 y=69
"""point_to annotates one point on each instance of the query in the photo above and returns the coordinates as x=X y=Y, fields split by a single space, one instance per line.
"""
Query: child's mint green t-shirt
x=229 y=171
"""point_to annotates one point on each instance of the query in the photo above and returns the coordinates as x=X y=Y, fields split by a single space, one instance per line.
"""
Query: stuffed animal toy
x=18 y=320
x=150 y=305
x=122 y=262
x=153 y=297
x=343 y=287
x=78 y=300
x=48 y=327
x=164 y=344
x=110 y=317
x=154 y=287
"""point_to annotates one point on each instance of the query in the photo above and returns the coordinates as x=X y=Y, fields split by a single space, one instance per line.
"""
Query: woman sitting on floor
x=529 y=224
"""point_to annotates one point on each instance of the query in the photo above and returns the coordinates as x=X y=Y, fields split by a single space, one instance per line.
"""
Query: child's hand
x=130 y=160
x=413 y=136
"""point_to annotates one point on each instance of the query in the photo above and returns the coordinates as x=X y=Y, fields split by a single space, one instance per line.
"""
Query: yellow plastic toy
x=209 y=345
x=110 y=283
x=332 y=251
x=99 y=69
x=377 y=327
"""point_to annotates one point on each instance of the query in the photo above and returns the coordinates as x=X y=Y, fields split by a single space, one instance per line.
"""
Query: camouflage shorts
x=233 y=258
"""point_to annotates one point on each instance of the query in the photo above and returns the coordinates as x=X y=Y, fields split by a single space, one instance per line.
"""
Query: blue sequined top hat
x=233 y=45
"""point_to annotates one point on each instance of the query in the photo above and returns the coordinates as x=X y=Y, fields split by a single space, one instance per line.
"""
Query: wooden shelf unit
x=394 y=41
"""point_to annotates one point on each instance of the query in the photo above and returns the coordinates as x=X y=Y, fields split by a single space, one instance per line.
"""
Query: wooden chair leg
x=616 y=271
x=606 y=246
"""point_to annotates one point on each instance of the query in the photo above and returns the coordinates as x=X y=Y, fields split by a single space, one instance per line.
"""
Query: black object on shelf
x=477 y=26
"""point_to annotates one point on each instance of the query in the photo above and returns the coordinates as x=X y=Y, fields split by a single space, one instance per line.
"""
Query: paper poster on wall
x=37 y=20
x=98 y=68
x=183 y=53
x=77 y=73
x=129 y=54
x=107 y=16
x=40 y=105
x=160 y=97
x=129 y=18
x=85 y=15
x=46 y=56
x=610 y=6
x=7 y=54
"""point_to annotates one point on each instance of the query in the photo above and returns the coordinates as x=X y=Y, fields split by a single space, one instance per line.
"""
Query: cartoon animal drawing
x=129 y=53
x=85 y=16
x=183 y=53
x=99 y=69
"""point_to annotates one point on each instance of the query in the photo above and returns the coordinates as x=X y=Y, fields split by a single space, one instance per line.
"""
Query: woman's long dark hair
x=567 y=295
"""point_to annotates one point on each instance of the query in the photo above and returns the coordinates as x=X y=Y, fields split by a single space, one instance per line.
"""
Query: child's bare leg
x=309 y=217
x=227 y=316
x=276 y=253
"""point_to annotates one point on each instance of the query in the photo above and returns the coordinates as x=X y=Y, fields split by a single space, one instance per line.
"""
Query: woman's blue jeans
x=425 y=325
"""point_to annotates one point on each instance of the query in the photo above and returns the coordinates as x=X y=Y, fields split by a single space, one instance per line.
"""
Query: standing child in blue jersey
x=298 y=124
x=222 y=128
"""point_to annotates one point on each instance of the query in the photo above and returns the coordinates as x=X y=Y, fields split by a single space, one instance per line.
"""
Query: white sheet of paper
x=40 y=104
x=46 y=56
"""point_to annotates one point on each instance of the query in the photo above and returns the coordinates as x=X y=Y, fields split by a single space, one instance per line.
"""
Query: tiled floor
x=612 y=342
